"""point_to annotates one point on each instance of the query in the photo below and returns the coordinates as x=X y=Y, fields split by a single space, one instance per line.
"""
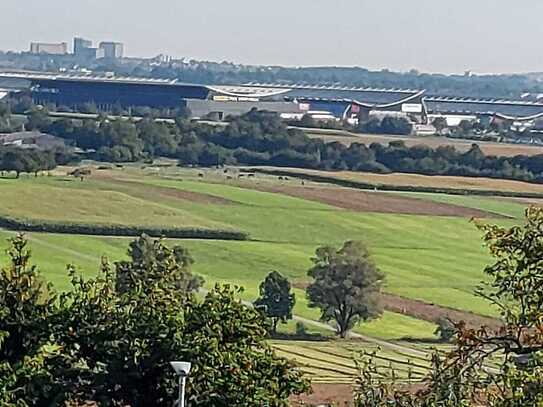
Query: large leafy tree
x=346 y=285
x=467 y=376
x=276 y=299
x=27 y=356
x=151 y=261
x=112 y=342
x=234 y=363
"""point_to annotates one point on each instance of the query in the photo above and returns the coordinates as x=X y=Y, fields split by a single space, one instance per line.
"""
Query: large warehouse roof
x=72 y=88
x=507 y=109
x=370 y=96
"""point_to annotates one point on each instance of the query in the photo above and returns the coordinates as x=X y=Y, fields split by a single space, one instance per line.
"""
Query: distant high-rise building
x=48 y=48
x=112 y=50
x=81 y=46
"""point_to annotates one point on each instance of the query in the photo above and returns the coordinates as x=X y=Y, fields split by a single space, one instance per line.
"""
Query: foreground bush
x=110 y=339
x=467 y=376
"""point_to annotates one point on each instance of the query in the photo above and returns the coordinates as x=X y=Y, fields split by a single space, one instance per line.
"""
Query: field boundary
x=392 y=188
x=20 y=225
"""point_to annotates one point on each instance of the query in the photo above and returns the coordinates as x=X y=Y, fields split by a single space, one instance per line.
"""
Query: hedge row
x=119 y=230
x=396 y=188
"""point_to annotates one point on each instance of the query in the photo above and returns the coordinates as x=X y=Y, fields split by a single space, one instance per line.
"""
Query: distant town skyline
x=487 y=36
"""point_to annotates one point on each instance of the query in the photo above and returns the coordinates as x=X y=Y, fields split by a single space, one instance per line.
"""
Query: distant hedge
x=396 y=188
x=118 y=230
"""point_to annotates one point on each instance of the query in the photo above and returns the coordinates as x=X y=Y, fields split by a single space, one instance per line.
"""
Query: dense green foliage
x=152 y=261
x=110 y=339
x=17 y=160
x=276 y=300
x=346 y=286
x=462 y=378
x=261 y=138
x=387 y=125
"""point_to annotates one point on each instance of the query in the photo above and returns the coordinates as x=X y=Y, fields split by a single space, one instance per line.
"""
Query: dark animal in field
x=229 y=177
x=80 y=173
x=251 y=175
x=280 y=178
x=226 y=171
x=201 y=175
x=241 y=175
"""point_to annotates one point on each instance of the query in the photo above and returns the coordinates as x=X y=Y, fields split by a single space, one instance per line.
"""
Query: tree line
x=262 y=138
x=375 y=125
x=32 y=161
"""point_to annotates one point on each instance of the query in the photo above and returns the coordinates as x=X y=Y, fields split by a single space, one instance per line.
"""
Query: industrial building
x=60 y=48
x=112 y=50
x=81 y=47
x=107 y=49
x=219 y=101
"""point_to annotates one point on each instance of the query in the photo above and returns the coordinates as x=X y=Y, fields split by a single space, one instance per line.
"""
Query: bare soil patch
x=425 y=311
x=340 y=395
x=432 y=313
x=379 y=202
x=147 y=191
x=416 y=180
x=196 y=197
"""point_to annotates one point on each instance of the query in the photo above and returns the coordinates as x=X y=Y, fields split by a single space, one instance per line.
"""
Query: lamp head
x=181 y=368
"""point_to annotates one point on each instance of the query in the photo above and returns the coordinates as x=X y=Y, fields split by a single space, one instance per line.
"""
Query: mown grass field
x=431 y=181
x=334 y=361
x=430 y=258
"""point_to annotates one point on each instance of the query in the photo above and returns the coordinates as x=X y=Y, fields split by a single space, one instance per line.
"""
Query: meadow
x=433 y=259
x=426 y=181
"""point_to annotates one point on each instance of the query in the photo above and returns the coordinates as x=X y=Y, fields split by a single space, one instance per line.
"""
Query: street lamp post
x=182 y=369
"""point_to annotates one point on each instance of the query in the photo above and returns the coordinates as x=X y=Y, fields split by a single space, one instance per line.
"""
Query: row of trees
x=345 y=287
x=110 y=339
x=261 y=138
x=32 y=161
x=385 y=125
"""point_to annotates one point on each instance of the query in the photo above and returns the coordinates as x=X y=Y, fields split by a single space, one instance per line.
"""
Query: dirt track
x=154 y=190
x=432 y=313
x=363 y=201
x=195 y=197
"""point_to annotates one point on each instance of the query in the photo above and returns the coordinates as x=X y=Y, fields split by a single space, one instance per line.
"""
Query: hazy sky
x=429 y=35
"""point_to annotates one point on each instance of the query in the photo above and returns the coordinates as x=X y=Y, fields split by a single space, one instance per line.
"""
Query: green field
x=334 y=362
x=434 y=259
